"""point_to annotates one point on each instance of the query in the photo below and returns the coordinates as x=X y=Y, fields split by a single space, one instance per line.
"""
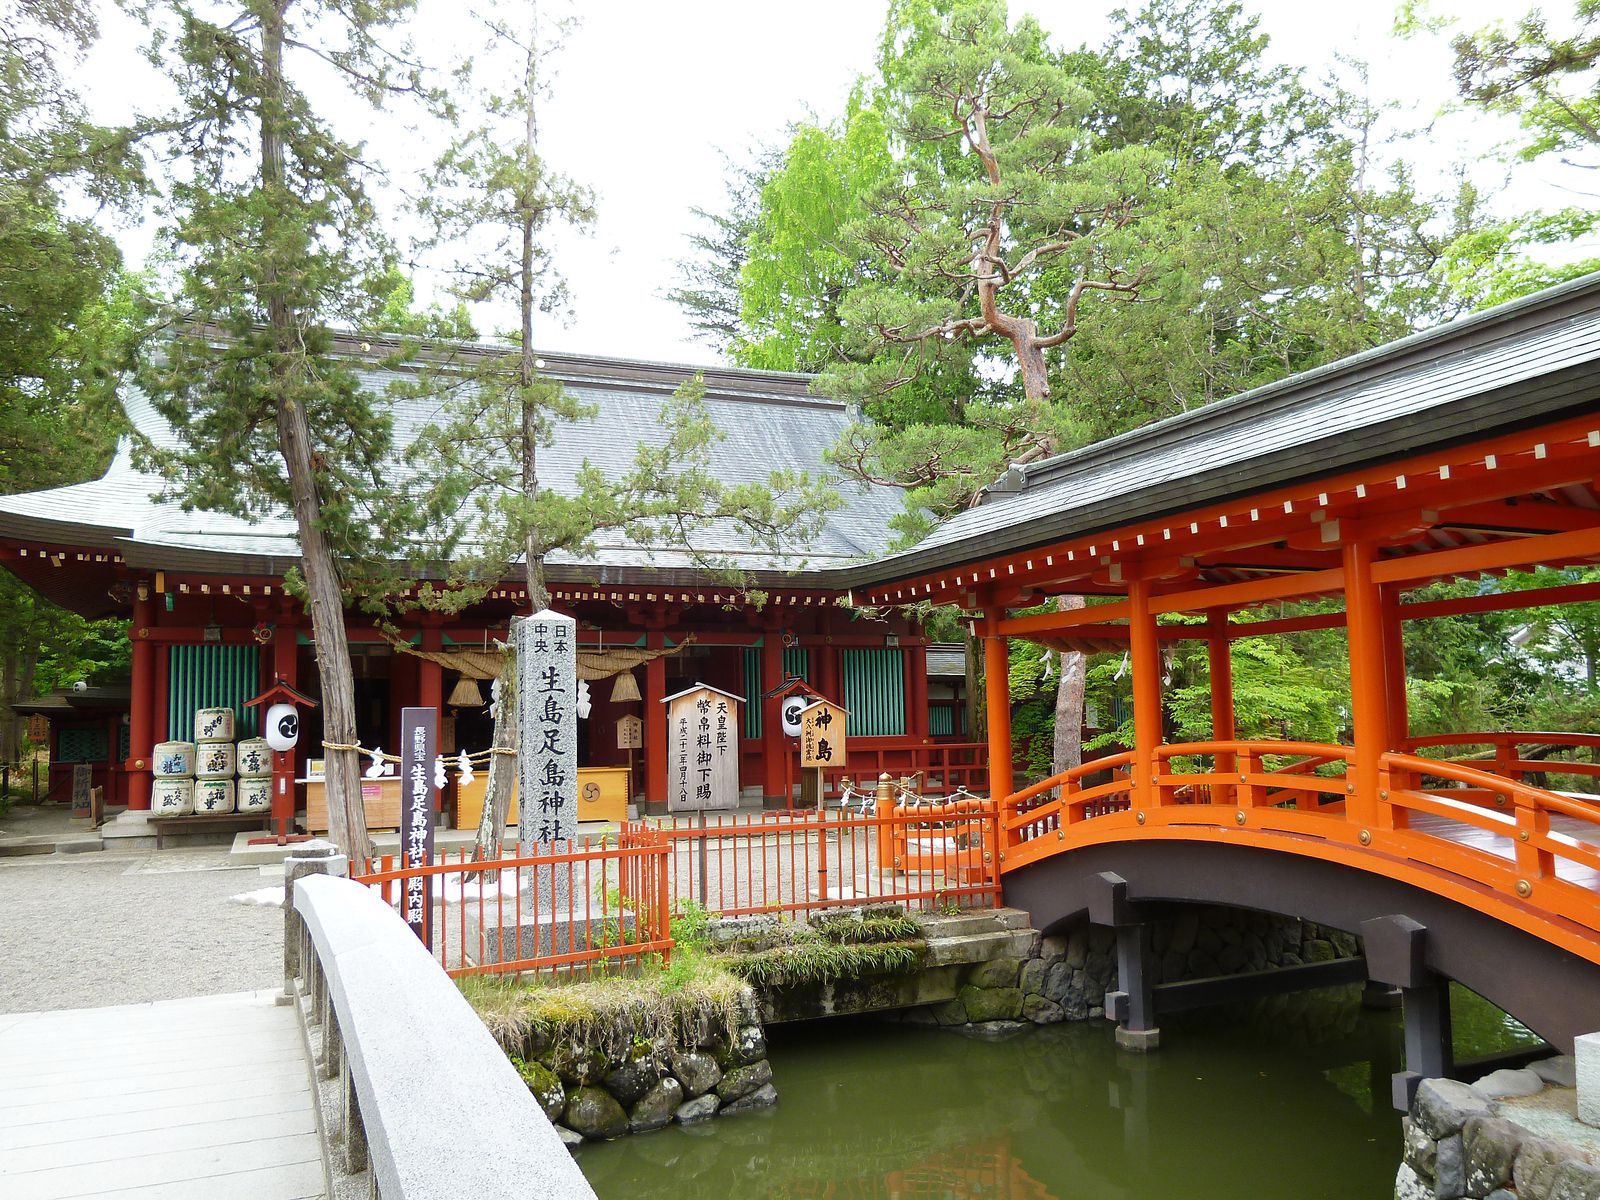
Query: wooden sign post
x=702 y=757
x=630 y=737
x=82 y=783
x=419 y=729
x=823 y=744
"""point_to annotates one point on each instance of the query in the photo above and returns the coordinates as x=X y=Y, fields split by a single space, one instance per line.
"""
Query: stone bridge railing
x=417 y=1099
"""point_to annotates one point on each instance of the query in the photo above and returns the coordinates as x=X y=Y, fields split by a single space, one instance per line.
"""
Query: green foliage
x=1502 y=261
x=496 y=201
x=1541 y=72
x=605 y=1015
x=272 y=252
x=708 y=293
x=816 y=960
x=848 y=928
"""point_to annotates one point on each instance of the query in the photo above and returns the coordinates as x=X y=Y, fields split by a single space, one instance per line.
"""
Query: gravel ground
x=100 y=929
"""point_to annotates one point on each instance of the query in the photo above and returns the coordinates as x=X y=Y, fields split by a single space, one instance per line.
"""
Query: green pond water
x=1286 y=1097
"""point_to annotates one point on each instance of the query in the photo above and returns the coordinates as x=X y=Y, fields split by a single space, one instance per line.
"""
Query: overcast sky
x=648 y=91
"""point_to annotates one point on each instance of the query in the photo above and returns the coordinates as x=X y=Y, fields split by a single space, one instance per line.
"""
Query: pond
x=1287 y=1097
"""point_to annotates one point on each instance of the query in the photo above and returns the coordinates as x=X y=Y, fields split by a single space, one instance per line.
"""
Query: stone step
x=983 y=920
x=980 y=947
x=944 y=927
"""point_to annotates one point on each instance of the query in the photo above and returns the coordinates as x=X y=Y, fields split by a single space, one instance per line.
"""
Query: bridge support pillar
x=1132 y=1006
x=1396 y=949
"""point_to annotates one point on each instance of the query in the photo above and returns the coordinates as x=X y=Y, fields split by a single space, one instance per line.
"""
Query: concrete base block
x=1586 y=1050
x=1140 y=1041
x=555 y=935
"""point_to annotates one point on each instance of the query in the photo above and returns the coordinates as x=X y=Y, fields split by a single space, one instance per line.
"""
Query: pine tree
x=274 y=238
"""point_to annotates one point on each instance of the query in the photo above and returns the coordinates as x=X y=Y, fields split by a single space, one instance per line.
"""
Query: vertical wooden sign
x=823 y=740
x=418 y=733
x=547 y=718
x=702 y=749
x=630 y=733
x=82 y=781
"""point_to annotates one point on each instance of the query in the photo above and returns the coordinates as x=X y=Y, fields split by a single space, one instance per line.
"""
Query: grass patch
x=674 y=1006
x=847 y=929
x=703 y=992
x=816 y=960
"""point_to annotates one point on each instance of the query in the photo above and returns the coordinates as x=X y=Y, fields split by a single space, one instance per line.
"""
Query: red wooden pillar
x=285 y=669
x=430 y=675
x=1368 y=687
x=1144 y=652
x=772 y=740
x=825 y=662
x=159 y=716
x=655 y=720
x=1219 y=658
x=1394 y=667
x=997 y=693
x=142 y=699
x=917 y=655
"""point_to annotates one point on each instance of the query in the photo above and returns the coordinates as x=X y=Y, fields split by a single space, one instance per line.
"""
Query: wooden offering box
x=380 y=798
x=602 y=796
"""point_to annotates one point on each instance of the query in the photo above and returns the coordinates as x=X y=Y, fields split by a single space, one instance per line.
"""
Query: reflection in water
x=1286 y=1098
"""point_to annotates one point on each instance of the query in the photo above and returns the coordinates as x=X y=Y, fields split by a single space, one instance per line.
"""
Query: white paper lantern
x=283 y=727
x=792 y=706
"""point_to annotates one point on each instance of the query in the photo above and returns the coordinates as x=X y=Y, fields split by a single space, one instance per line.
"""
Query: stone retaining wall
x=1066 y=977
x=1513 y=1135
x=588 y=1093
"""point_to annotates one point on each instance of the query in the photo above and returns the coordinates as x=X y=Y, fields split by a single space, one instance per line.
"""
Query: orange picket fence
x=928 y=855
x=605 y=900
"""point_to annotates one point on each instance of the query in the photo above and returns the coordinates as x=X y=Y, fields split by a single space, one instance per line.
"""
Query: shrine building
x=211 y=624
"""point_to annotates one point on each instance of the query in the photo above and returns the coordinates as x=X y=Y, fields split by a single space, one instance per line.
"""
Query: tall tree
x=708 y=289
x=1542 y=73
x=62 y=316
x=494 y=193
x=274 y=240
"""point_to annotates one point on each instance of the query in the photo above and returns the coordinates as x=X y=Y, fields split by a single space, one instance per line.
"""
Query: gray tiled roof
x=947 y=659
x=1528 y=361
x=769 y=419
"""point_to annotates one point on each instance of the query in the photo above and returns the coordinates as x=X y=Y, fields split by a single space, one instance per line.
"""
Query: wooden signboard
x=822 y=734
x=630 y=733
x=418 y=734
x=702 y=749
x=82 y=781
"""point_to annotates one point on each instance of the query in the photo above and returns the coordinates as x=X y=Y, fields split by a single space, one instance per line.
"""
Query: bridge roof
x=1519 y=365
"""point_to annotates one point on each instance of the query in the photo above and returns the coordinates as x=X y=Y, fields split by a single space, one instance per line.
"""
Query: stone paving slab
x=201 y=1097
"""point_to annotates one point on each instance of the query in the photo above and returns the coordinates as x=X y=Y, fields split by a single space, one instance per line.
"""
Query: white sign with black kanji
x=702 y=749
x=547 y=717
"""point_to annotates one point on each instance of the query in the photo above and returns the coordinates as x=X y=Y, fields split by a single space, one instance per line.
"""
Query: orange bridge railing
x=1470 y=826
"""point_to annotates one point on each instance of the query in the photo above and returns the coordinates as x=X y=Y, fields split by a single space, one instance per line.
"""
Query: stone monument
x=560 y=921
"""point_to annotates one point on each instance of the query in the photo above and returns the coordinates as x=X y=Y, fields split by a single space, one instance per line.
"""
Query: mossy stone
x=545 y=1086
x=991 y=1004
x=595 y=1113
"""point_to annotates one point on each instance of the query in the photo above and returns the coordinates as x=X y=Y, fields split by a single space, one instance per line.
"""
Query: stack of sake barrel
x=198 y=777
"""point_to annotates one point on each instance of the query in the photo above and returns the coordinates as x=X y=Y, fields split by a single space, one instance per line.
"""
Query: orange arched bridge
x=1335 y=500
x=1494 y=879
